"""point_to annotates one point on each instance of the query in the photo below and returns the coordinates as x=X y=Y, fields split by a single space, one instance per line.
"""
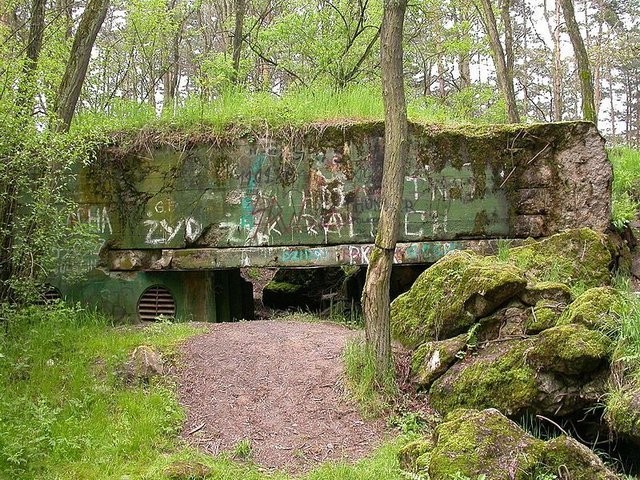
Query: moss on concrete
x=574 y=257
x=448 y=297
x=282 y=287
x=597 y=308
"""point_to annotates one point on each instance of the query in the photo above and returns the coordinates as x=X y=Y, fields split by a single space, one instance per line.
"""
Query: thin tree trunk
x=505 y=76
x=375 y=297
x=612 y=105
x=237 y=39
x=76 y=70
x=582 y=59
x=558 y=104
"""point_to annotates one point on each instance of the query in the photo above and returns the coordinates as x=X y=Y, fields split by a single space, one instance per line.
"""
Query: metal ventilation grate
x=49 y=295
x=156 y=301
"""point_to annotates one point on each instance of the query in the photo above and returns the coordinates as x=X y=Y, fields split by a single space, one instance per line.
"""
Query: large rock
x=451 y=295
x=487 y=444
x=575 y=257
x=559 y=371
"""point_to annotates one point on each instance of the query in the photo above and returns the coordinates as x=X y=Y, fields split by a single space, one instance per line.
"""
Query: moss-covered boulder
x=448 y=297
x=545 y=314
x=623 y=412
x=568 y=349
x=432 y=359
x=559 y=371
x=597 y=308
x=567 y=458
x=550 y=291
x=487 y=444
x=475 y=443
x=495 y=377
x=575 y=257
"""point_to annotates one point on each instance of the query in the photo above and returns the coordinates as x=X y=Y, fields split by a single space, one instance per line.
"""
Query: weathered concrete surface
x=322 y=188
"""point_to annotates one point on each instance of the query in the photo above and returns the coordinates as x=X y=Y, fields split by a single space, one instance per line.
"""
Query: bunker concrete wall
x=311 y=197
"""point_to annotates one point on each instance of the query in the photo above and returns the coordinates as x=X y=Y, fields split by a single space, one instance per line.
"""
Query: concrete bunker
x=187 y=212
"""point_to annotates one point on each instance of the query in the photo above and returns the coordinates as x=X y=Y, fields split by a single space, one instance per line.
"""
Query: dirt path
x=278 y=384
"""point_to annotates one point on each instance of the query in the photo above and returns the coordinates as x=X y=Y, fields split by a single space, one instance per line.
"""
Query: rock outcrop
x=506 y=333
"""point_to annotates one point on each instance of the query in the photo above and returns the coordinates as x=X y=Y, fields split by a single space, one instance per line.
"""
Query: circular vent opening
x=155 y=302
x=49 y=295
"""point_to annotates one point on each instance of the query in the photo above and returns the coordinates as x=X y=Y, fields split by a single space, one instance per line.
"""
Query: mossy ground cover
x=66 y=414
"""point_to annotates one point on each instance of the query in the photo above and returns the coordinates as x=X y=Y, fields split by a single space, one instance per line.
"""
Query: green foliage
x=239 y=111
x=38 y=218
x=372 y=396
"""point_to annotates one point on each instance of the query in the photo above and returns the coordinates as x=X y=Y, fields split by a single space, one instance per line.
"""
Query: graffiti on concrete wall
x=267 y=193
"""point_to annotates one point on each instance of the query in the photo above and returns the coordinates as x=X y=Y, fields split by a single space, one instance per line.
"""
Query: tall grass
x=626 y=185
x=63 y=411
x=372 y=396
x=296 y=107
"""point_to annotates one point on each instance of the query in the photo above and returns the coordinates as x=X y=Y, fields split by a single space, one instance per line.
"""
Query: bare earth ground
x=279 y=384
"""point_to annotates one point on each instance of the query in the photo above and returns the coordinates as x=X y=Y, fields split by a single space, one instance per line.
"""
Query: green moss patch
x=544 y=315
x=623 y=412
x=498 y=377
x=568 y=349
x=482 y=443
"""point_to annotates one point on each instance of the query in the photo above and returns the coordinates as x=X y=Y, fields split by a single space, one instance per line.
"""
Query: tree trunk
x=237 y=39
x=505 y=76
x=375 y=297
x=34 y=46
x=76 y=70
x=582 y=59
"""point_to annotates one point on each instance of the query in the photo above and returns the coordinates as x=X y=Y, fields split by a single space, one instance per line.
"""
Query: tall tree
x=582 y=59
x=76 y=69
x=502 y=64
x=375 y=297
